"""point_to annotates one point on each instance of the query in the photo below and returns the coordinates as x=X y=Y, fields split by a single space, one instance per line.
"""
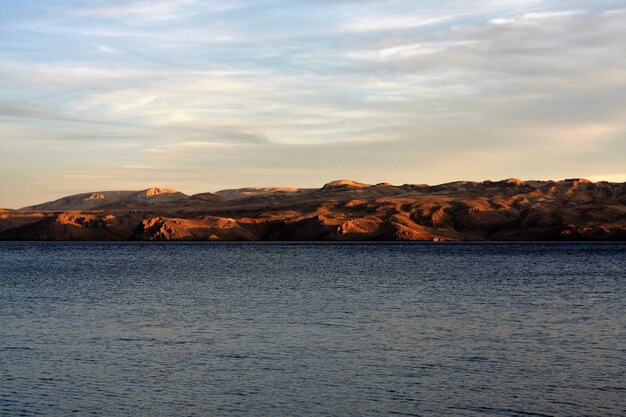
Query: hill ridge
x=510 y=209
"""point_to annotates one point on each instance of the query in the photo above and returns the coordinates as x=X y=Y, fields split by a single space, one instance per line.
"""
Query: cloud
x=435 y=90
x=153 y=10
x=378 y=23
x=65 y=75
x=38 y=112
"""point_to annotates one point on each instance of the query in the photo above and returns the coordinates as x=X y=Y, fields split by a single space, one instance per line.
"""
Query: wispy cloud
x=156 y=10
x=378 y=23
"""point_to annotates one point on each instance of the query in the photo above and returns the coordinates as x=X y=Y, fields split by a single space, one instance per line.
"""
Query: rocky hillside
x=574 y=209
x=110 y=200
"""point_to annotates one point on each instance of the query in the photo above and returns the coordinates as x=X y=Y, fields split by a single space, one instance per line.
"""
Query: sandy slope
x=511 y=209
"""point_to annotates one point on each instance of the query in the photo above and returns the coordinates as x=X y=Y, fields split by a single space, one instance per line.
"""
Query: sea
x=312 y=329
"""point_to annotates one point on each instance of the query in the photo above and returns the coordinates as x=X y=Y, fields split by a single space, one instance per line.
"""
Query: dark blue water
x=209 y=329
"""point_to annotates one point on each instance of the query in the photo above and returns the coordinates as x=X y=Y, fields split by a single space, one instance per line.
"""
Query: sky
x=207 y=95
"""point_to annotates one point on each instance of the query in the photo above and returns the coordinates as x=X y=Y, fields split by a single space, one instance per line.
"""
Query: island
x=343 y=210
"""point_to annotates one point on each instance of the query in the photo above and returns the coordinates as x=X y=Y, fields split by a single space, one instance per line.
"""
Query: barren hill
x=110 y=199
x=512 y=209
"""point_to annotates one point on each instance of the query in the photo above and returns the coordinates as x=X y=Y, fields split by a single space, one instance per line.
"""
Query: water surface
x=264 y=329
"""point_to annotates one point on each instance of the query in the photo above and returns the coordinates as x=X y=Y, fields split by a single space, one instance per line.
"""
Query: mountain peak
x=577 y=180
x=157 y=191
x=156 y=195
x=150 y=192
x=344 y=184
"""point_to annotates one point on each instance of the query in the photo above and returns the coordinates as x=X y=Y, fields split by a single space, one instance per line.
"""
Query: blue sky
x=206 y=95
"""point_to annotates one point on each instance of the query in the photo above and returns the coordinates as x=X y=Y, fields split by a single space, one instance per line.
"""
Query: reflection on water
x=312 y=329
